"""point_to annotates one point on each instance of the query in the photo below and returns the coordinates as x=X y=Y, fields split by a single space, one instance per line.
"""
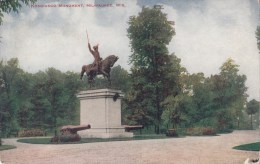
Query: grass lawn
x=7 y=147
x=91 y=140
x=249 y=147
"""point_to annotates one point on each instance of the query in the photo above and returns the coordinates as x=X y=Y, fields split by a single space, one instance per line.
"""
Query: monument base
x=101 y=108
x=118 y=132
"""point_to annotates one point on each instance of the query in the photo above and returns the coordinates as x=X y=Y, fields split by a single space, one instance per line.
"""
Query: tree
x=228 y=89
x=72 y=85
x=42 y=100
x=9 y=102
x=258 y=37
x=149 y=33
x=178 y=110
x=252 y=107
x=24 y=85
x=60 y=91
x=41 y=111
x=199 y=89
x=56 y=95
x=7 y=6
x=120 y=78
x=258 y=44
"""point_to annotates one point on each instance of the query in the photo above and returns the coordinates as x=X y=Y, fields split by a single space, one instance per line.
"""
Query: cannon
x=72 y=129
x=128 y=128
x=69 y=133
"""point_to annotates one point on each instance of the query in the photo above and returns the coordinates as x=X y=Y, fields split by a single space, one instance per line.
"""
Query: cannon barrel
x=128 y=128
x=73 y=129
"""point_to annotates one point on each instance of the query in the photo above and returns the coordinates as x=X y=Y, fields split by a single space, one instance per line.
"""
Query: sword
x=87 y=35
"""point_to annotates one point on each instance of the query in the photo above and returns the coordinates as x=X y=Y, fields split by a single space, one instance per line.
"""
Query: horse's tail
x=82 y=72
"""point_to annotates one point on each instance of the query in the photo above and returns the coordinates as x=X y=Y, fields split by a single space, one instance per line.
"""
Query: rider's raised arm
x=89 y=47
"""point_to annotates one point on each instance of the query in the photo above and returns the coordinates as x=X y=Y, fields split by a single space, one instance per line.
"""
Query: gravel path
x=191 y=150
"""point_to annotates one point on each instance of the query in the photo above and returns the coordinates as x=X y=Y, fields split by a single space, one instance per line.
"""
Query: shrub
x=199 y=131
x=31 y=133
x=196 y=131
x=171 y=133
x=208 y=131
x=66 y=138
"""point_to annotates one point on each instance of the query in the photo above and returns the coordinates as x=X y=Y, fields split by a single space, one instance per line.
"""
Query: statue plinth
x=101 y=108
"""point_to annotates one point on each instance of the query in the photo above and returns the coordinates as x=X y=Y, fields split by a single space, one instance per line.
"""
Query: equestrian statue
x=99 y=66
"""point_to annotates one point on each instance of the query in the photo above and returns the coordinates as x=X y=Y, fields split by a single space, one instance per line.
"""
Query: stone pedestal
x=101 y=109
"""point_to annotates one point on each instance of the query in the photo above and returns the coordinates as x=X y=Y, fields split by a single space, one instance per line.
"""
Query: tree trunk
x=0 y=134
x=251 y=121
x=158 y=116
x=258 y=120
x=156 y=129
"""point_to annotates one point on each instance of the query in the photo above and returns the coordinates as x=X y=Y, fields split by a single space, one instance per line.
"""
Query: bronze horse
x=105 y=68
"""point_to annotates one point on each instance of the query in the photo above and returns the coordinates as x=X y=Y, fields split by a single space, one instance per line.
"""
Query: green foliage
x=224 y=120
x=229 y=95
x=252 y=107
x=42 y=100
x=207 y=122
x=257 y=33
x=149 y=34
x=164 y=93
x=177 y=110
x=217 y=101
x=9 y=102
x=7 y=6
x=197 y=88
x=120 y=78
x=158 y=91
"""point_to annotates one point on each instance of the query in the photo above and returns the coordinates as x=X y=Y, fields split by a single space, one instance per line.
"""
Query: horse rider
x=97 y=58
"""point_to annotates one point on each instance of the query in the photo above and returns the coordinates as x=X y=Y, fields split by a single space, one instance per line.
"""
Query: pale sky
x=208 y=32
